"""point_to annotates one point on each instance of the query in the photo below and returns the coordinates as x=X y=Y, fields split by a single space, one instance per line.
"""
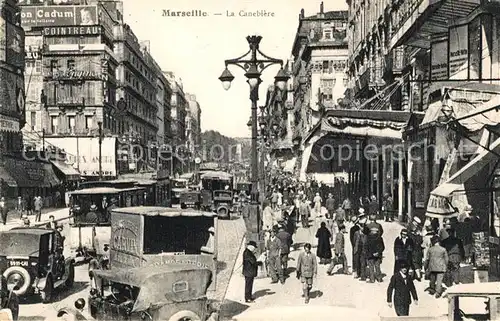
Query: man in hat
x=361 y=248
x=373 y=224
x=403 y=249
x=307 y=269
x=330 y=206
x=273 y=253
x=375 y=247
x=437 y=265
x=250 y=268
x=286 y=241
x=340 y=257
x=388 y=208
x=305 y=212
x=109 y=209
x=352 y=238
x=465 y=213
x=402 y=286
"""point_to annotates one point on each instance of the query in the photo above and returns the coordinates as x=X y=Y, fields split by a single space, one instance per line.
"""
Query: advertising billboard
x=15 y=46
x=439 y=60
x=11 y=93
x=459 y=53
x=84 y=153
x=72 y=31
x=50 y=16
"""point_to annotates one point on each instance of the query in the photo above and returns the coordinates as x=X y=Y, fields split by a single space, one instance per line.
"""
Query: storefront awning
x=31 y=173
x=7 y=179
x=366 y=127
x=486 y=114
x=68 y=171
x=439 y=202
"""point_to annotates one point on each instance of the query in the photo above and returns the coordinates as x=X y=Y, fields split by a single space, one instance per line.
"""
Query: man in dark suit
x=403 y=249
x=403 y=288
x=249 y=270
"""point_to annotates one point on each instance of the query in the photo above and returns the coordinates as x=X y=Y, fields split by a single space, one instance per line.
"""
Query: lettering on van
x=125 y=244
x=125 y=237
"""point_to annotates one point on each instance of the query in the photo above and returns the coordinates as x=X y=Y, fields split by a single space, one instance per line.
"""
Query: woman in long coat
x=324 y=250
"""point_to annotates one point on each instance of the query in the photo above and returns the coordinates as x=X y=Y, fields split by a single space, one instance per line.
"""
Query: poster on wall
x=459 y=53
x=84 y=151
x=439 y=60
x=49 y=16
x=15 y=46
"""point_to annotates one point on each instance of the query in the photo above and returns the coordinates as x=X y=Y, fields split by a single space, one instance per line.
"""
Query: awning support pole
x=477 y=143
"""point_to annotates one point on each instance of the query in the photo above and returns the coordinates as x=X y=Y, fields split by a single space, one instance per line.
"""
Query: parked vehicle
x=217 y=193
x=144 y=236
x=179 y=186
x=191 y=198
x=32 y=262
x=166 y=293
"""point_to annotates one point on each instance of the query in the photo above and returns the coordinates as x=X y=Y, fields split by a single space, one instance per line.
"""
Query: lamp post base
x=251 y=217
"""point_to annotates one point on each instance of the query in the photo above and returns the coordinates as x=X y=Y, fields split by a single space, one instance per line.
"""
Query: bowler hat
x=252 y=243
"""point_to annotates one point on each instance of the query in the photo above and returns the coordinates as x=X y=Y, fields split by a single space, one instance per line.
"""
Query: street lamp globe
x=253 y=76
x=226 y=78
x=275 y=127
x=281 y=78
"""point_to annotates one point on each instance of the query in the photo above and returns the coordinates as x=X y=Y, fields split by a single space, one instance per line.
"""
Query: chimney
x=321 y=13
x=301 y=16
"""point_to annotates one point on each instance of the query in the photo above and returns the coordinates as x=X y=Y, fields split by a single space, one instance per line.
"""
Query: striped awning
x=363 y=127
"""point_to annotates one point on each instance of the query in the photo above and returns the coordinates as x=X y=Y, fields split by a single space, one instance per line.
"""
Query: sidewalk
x=337 y=290
x=14 y=220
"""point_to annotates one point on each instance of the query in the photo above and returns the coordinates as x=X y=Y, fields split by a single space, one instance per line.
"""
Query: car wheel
x=46 y=294
x=185 y=315
x=223 y=212
x=71 y=276
x=20 y=276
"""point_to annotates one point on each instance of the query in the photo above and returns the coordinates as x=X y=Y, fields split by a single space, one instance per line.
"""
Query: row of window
x=70 y=124
x=143 y=89
x=330 y=83
x=132 y=58
x=329 y=66
x=139 y=108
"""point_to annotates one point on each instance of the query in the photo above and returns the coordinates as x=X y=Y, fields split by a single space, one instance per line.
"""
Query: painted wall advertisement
x=84 y=153
x=439 y=60
x=459 y=53
x=49 y=16
x=15 y=46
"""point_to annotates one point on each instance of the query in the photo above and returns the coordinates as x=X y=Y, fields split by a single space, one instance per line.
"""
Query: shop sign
x=84 y=151
x=15 y=46
x=76 y=75
x=72 y=31
x=439 y=206
x=9 y=124
x=439 y=60
x=459 y=53
x=45 y=16
x=32 y=53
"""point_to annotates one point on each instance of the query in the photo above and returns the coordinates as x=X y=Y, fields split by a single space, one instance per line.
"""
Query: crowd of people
x=429 y=250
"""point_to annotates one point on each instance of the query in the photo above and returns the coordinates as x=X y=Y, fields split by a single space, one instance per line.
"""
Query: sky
x=195 y=48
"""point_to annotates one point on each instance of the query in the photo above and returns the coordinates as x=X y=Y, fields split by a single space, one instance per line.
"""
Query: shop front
x=32 y=178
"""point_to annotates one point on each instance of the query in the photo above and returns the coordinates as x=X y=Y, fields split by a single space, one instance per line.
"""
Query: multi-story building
x=164 y=135
x=72 y=90
x=137 y=85
x=193 y=126
x=179 y=108
x=318 y=69
x=456 y=163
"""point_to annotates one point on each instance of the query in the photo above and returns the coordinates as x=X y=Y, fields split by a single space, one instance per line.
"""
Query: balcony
x=415 y=21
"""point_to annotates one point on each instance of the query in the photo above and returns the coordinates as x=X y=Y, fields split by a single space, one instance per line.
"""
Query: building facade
x=179 y=109
x=318 y=68
x=193 y=128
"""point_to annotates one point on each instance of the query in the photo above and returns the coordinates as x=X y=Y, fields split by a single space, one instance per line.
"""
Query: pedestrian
x=352 y=238
x=402 y=286
x=340 y=216
x=305 y=212
x=317 y=204
x=455 y=249
x=273 y=253
x=324 y=251
x=465 y=213
x=340 y=257
x=250 y=268
x=418 y=249
x=267 y=217
x=279 y=201
x=274 y=198
x=38 y=208
x=330 y=206
x=403 y=249
x=26 y=220
x=307 y=270
x=362 y=249
x=29 y=205
x=388 y=208
x=436 y=264
x=4 y=210
x=376 y=247
x=464 y=232
x=374 y=224
x=373 y=206
x=52 y=224
x=19 y=206
x=92 y=216
x=286 y=242
x=347 y=206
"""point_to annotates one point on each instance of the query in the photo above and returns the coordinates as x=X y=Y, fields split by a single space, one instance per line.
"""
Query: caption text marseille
x=227 y=13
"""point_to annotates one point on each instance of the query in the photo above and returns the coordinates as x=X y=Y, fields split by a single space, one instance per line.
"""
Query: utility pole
x=43 y=140
x=100 y=150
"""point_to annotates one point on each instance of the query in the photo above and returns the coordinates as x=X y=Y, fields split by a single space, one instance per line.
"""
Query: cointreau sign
x=72 y=74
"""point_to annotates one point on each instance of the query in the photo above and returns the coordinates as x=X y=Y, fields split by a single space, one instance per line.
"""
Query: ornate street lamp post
x=253 y=67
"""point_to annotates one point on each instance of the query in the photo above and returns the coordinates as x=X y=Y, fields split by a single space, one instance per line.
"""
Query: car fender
x=42 y=282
